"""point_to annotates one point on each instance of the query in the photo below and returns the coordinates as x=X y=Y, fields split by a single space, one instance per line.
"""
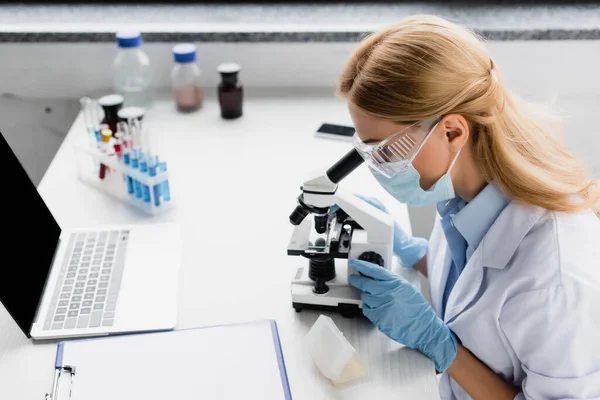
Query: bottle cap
x=111 y=100
x=129 y=39
x=127 y=113
x=106 y=135
x=229 y=73
x=229 y=68
x=184 y=53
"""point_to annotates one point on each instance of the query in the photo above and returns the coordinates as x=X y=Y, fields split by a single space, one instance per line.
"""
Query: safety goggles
x=393 y=154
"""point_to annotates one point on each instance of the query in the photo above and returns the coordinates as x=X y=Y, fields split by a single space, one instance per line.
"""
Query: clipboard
x=220 y=362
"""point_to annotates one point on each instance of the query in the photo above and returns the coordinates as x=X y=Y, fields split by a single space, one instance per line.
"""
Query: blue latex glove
x=401 y=312
x=409 y=249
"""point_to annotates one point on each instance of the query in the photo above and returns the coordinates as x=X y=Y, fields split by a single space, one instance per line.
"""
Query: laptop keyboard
x=88 y=285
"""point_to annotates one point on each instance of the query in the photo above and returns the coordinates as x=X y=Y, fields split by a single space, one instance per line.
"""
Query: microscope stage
x=341 y=297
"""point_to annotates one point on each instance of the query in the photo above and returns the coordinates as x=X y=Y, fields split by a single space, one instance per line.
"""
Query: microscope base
x=341 y=297
x=345 y=310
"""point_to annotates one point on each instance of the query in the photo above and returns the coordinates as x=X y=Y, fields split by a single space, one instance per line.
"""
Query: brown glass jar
x=230 y=91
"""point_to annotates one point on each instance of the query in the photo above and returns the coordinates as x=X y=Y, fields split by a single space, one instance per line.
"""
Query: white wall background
x=56 y=75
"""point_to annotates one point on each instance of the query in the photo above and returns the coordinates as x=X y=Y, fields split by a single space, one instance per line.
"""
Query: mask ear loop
x=452 y=194
x=454 y=161
x=423 y=144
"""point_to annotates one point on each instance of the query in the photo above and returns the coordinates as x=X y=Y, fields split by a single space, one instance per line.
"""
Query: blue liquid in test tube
x=165 y=185
x=128 y=179
x=152 y=161
x=137 y=185
x=144 y=169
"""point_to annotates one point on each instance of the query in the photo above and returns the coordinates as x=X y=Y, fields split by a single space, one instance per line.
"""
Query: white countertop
x=234 y=184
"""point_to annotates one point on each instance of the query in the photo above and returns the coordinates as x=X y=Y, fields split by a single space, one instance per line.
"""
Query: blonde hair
x=426 y=66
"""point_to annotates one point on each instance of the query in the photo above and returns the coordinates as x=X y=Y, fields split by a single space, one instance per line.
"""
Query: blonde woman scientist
x=514 y=258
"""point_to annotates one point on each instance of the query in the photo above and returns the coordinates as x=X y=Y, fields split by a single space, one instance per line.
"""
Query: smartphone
x=334 y=131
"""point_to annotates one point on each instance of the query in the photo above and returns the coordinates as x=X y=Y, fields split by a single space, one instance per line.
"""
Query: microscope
x=343 y=227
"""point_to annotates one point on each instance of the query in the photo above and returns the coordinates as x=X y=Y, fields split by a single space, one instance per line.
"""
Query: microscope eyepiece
x=344 y=166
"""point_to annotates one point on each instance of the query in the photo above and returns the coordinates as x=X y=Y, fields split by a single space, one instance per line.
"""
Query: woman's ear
x=456 y=130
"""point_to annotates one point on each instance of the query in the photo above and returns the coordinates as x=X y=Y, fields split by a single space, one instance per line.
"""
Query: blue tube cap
x=184 y=53
x=129 y=39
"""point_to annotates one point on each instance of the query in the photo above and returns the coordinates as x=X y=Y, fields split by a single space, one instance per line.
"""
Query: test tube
x=86 y=111
x=166 y=194
x=110 y=152
x=152 y=165
x=118 y=146
x=123 y=132
x=94 y=112
x=137 y=185
x=128 y=179
x=129 y=138
x=106 y=136
x=146 y=138
x=136 y=132
x=144 y=169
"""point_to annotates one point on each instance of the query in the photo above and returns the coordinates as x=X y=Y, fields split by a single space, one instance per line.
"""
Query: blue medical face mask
x=405 y=185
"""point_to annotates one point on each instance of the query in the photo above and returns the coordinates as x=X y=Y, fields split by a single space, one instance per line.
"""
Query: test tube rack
x=148 y=194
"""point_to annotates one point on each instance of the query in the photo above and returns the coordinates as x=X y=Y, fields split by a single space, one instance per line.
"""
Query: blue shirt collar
x=474 y=219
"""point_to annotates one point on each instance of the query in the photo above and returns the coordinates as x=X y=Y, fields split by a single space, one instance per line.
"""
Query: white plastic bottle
x=132 y=73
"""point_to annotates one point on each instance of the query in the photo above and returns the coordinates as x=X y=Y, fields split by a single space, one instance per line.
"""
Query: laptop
x=59 y=283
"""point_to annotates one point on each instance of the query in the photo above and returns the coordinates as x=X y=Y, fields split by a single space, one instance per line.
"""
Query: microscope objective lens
x=298 y=215
x=321 y=223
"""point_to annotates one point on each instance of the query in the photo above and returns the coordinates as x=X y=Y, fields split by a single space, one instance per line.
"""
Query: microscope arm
x=378 y=225
x=319 y=194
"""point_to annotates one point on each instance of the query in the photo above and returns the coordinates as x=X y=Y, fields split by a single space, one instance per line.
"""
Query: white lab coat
x=527 y=303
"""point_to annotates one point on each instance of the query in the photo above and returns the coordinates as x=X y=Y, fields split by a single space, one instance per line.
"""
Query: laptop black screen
x=29 y=239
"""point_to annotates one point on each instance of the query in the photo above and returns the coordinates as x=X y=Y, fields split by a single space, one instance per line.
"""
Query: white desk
x=235 y=184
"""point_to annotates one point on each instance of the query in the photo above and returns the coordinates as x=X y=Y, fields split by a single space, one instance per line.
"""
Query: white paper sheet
x=226 y=362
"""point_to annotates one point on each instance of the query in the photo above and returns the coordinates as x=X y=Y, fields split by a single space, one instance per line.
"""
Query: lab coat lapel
x=495 y=251
x=441 y=259
x=466 y=287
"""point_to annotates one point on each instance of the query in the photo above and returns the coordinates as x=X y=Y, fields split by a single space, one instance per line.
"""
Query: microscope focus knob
x=372 y=257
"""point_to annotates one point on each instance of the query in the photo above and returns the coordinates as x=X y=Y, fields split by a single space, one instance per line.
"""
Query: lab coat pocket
x=539 y=386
